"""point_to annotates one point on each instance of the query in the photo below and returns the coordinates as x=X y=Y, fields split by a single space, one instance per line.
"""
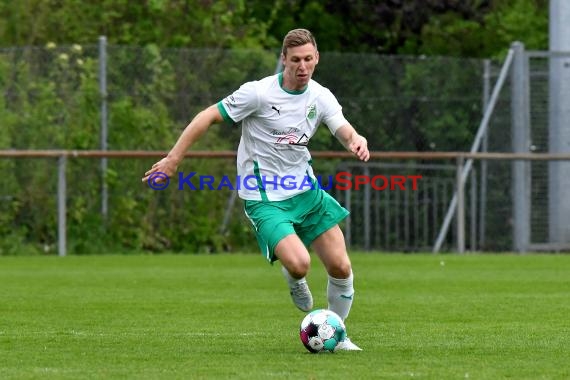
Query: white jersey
x=273 y=162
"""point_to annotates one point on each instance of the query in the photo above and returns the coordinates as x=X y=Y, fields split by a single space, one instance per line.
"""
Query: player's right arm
x=197 y=127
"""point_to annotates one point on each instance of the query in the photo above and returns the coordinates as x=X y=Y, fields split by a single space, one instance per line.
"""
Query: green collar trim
x=292 y=92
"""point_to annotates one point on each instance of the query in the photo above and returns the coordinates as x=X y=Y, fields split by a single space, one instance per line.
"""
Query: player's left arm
x=353 y=142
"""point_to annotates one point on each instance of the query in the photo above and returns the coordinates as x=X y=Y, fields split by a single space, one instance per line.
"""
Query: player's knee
x=341 y=269
x=300 y=267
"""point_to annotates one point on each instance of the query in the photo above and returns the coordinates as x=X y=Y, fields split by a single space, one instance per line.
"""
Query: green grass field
x=230 y=316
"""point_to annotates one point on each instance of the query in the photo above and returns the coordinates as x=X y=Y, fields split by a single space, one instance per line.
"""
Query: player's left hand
x=359 y=146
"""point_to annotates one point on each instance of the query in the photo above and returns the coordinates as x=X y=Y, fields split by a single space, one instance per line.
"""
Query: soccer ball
x=322 y=330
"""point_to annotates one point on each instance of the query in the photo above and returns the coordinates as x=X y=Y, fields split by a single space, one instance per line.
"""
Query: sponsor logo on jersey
x=290 y=137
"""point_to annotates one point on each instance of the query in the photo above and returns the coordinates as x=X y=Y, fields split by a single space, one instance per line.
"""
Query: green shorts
x=308 y=215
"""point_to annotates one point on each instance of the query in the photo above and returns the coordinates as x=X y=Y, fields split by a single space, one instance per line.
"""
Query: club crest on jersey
x=311 y=111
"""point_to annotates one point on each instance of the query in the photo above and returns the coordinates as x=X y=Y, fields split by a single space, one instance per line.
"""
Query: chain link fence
x=140 y=98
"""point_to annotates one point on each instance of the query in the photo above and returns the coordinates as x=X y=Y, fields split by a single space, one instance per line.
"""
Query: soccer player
x=279 y=114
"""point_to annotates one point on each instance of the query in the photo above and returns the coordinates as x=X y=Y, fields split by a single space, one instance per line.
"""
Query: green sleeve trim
x=224 y=113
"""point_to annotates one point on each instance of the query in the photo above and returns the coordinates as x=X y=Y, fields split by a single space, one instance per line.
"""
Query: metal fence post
x=61 y=207
x=104 y=126
x=558 y=116
x=460 y=215
x=473 y=211
x=484 y=148
x=520 y=94
x=476 y=145
x=348 y=224
x=366 y=211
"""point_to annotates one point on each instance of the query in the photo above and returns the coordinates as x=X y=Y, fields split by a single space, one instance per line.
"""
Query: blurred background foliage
x=470 y=28
x=170 y=58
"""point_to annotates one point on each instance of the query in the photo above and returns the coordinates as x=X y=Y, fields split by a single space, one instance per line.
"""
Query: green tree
x=490 y=35
x=195 y=23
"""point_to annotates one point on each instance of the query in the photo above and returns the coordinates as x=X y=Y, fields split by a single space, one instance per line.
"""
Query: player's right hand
x=165 y=166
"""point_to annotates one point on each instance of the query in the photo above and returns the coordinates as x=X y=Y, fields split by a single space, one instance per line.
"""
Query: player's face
x=299 y=65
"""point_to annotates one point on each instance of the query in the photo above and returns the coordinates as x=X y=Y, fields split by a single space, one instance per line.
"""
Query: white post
x=559 y=114
x=520 y=130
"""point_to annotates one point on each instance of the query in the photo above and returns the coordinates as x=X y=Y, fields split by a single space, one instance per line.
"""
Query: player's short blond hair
x=297 y=37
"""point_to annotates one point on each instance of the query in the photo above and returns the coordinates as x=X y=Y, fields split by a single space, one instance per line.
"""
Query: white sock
x=340 y=292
